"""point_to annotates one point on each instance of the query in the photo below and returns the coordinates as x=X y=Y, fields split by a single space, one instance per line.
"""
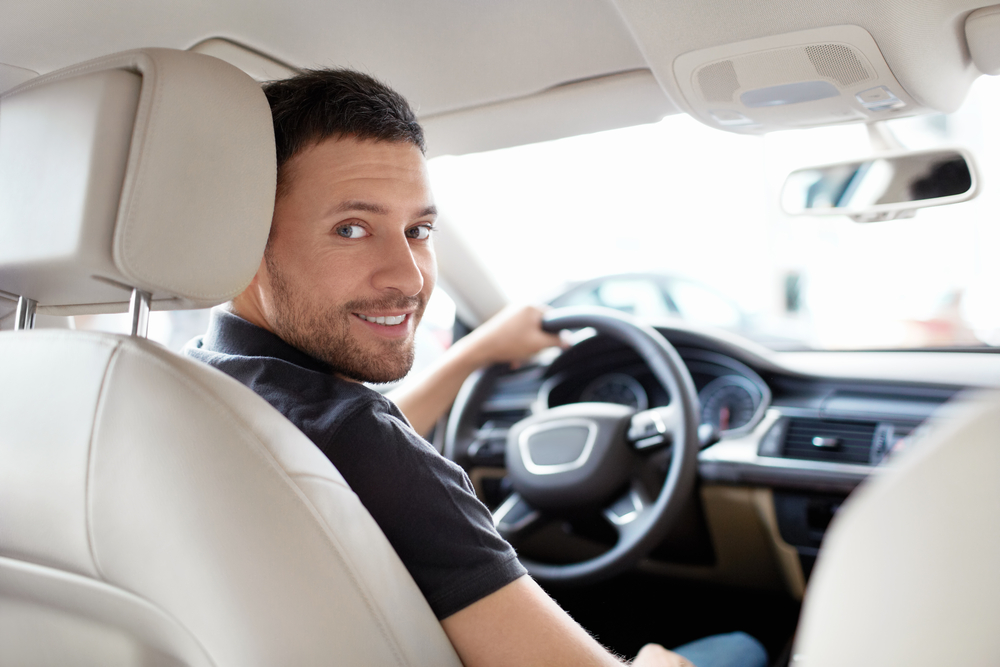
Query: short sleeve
x=425 y=505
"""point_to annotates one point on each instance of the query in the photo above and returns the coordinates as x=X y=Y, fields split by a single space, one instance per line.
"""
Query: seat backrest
x=909 y=572
x=154 y=511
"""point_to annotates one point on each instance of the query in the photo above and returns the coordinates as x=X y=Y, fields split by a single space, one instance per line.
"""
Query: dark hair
x=319 y=104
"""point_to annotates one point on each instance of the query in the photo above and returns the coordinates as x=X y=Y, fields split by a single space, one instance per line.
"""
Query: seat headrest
x=151 y=169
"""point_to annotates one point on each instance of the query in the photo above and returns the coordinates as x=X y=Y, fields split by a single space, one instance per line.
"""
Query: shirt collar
x=230 y=334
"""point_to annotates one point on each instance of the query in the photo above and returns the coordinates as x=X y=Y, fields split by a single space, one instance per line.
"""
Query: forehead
x=346 y=167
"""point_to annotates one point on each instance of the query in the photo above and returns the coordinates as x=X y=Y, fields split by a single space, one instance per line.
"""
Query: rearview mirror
x=883 y=187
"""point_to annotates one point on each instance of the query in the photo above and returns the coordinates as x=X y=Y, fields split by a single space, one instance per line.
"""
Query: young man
x=347 y=272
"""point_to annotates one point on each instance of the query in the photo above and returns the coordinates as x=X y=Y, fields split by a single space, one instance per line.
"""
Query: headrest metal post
x=24 y=318
x=138 y=308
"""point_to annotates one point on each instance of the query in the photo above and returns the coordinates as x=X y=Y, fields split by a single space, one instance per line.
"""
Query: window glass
x=434 y=333
x=171 y=328
x=698 y=304
x=642 y=298
x=686 y=201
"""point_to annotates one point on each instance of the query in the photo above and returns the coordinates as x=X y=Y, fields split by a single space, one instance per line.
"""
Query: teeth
x=387 y=321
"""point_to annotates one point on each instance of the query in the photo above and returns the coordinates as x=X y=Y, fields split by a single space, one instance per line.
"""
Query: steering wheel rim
x=647 y=524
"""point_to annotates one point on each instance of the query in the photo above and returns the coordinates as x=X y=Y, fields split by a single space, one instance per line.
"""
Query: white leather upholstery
x=156 y=506
x=152 y=169
x=909 y=573
x=153 y=511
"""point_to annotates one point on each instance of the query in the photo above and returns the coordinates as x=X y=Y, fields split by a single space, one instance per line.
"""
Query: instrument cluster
x=732 y=396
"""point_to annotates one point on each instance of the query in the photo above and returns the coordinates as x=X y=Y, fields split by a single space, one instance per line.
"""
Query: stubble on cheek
x=323 y=331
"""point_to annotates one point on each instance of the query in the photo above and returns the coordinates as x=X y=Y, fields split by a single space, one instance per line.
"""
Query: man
x=346 y=275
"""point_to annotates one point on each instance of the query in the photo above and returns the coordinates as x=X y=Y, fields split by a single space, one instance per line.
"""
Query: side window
x=171 y=328
x=434 y=334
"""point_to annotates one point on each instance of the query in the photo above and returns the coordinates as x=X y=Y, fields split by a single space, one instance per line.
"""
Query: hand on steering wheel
x=581 y=456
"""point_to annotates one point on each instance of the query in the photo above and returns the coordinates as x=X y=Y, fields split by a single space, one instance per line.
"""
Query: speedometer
x=616 y=388
x=729 y=402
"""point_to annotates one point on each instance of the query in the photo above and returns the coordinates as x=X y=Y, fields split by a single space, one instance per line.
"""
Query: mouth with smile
x=393 y=325
x=386 y=320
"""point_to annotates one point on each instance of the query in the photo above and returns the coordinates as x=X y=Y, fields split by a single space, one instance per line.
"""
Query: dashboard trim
x=740 y=370
x=735 y=461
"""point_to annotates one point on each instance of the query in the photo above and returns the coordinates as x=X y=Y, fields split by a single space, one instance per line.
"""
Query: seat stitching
x=323 y=478
x=116 y=346
x=72 y=576
x=265 y=454
x=98 y=411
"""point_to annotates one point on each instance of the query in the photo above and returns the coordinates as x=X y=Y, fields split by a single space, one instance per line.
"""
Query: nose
x=397 y=267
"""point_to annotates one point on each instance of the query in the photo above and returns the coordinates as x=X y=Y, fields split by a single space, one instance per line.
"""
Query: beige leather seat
x=909 y=573
x=152 y=510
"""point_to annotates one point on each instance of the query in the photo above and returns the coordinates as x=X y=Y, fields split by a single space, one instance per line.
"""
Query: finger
x=654 y=655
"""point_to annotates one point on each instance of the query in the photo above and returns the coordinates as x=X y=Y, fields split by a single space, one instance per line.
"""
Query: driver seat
x=153 y=511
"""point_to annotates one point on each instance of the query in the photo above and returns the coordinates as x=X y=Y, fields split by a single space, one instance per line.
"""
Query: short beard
x=324 y=332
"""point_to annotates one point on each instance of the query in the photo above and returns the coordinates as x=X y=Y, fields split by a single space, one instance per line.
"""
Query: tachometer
x=729 y=402
x=617 y=388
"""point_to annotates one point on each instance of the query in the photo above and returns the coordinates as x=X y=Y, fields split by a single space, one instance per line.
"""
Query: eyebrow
x=378 y=209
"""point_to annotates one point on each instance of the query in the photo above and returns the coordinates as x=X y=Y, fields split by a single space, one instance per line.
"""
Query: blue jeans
x=736 y=649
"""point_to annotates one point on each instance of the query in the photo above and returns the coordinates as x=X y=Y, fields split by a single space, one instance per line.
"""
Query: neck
x=245 y=306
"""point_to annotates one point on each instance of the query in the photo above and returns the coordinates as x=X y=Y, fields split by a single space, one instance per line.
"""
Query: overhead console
x=800 y=79
x=757 y=67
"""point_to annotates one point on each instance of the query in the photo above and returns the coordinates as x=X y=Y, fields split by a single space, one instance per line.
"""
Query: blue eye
x=351 y=231
x=420 y=233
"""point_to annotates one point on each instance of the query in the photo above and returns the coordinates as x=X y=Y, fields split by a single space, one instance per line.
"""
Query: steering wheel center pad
x=571 y=457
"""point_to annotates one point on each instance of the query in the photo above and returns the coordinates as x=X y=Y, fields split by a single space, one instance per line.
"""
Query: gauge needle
x=724 y=418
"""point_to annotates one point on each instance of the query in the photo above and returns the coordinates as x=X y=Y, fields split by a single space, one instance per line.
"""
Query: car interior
x=663 y=478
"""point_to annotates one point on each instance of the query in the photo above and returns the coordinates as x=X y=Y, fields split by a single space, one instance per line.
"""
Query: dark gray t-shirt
x=423 y=503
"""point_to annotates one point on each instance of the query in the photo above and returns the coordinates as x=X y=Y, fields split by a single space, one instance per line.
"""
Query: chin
x=373 y=366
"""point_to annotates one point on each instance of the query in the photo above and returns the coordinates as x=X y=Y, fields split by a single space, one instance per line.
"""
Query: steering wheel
x=592 y=456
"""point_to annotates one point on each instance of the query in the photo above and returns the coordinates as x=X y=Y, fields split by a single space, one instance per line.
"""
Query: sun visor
x=151 y=169
x=982 y=31
x=801 y=79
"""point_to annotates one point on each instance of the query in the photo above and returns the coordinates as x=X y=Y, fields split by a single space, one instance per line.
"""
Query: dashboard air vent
x=830 y=440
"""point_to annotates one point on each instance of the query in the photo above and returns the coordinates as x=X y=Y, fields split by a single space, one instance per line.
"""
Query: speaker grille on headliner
x=718 y=81
x=839 y=62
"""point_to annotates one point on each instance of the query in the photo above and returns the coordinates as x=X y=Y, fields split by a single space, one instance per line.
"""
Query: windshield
x=691 y=216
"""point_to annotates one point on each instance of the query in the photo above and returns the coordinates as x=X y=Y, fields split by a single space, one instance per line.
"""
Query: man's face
x=350 y=263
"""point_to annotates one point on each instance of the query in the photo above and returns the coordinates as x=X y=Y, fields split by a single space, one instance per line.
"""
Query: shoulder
x=368 y=417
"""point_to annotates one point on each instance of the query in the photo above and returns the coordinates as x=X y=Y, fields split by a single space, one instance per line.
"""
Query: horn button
x=571 y=456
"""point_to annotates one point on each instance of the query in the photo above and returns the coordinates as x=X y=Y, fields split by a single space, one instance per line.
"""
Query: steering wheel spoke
x=656 y=427
x=515 y=518
x=626 y=513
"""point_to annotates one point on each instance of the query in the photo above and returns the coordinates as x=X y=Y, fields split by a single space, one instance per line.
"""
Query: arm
x=512 y=335
x=521 y=625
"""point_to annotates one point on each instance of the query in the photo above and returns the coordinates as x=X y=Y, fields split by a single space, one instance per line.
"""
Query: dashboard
x=732 y=396
x=795 y=433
